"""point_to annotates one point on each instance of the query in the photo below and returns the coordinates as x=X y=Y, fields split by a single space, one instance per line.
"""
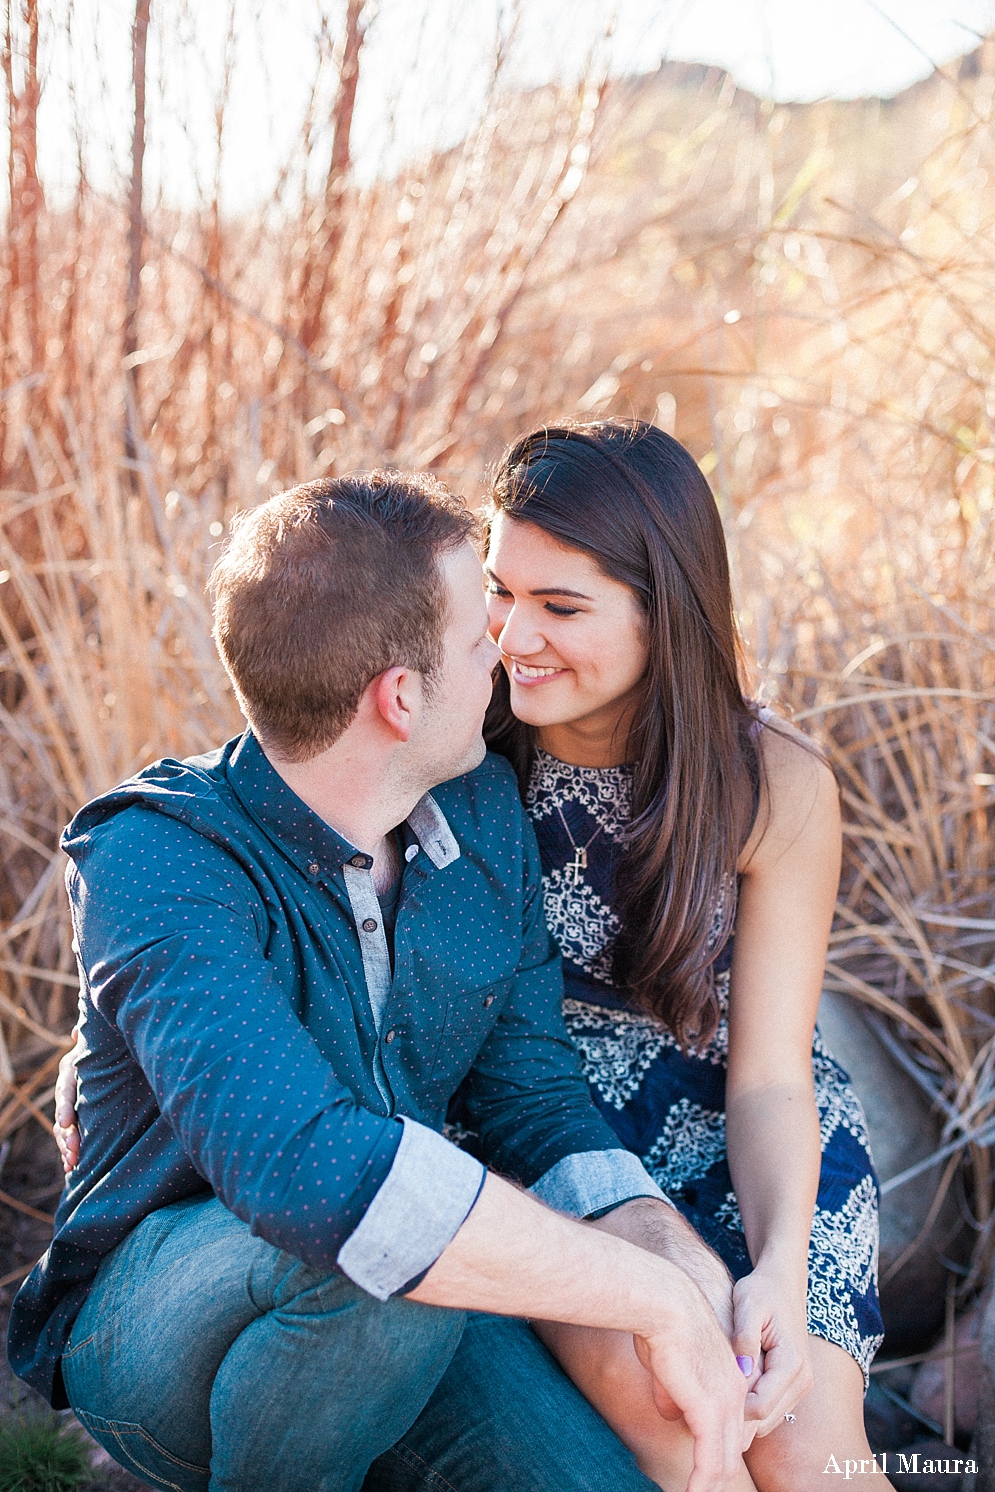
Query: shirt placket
x=368 y=917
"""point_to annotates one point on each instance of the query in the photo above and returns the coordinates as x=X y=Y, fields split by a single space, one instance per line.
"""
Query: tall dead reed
x=803 y=293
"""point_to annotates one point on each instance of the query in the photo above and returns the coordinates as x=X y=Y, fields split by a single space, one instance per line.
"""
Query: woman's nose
x=518 y=637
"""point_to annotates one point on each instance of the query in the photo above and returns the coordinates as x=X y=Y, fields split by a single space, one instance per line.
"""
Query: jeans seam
x=153 y=1476
x=78 y=1346
x=122 y=1436
x=176 y=1460
x=428 y=1473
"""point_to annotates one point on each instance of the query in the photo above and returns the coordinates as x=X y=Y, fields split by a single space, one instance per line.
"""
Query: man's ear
x=395 y=696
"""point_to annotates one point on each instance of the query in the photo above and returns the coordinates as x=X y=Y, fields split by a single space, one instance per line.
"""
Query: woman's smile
x=527 y=675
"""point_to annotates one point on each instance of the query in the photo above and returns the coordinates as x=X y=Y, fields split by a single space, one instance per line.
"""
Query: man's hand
x=517 y=1258
x=683 y=1387
x=65 y=1128
x=660 y=1228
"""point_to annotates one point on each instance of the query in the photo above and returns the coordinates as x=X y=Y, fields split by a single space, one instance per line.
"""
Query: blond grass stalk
x=803 y=294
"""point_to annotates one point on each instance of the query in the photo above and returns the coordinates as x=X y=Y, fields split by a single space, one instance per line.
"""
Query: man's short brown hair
x=323 y=588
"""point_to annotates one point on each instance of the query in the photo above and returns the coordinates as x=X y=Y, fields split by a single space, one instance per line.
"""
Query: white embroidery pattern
x=728 y=1213
x=691 y=1141
x=838 y=1105
x=603 y=792
x=583 y=926
x=458 y=1134
x=843 y=1262
x=617 y=1047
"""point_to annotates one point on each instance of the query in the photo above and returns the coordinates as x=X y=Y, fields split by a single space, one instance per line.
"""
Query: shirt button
x=488 y=1001
x=369 y=925
x=359 y=861
x=390 y=1037
x=314 y=868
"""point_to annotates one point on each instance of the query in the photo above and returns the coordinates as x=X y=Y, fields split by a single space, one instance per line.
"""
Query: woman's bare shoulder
x=789 y=754
x=799 y=797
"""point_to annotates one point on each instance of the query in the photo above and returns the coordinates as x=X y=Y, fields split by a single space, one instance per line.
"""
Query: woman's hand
x=770 y=1327
x=65 y=1129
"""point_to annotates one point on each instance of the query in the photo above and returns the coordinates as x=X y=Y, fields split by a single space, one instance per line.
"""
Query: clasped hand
x=762 y=1315
x=769 y=1326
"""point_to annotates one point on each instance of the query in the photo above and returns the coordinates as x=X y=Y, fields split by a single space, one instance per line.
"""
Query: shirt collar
x=430 y=827
x=312 y=844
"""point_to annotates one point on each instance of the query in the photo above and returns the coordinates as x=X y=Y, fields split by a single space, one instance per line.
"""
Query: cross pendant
x=578 y=863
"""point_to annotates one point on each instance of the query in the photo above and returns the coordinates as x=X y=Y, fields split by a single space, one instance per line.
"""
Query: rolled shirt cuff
x=592 y=1181
x=429 y=1191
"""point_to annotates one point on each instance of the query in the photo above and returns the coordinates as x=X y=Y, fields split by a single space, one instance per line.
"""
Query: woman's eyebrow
x=547 y=590
x=561 y=590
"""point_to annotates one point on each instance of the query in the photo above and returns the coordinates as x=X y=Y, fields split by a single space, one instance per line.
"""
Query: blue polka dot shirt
x=245 y=1032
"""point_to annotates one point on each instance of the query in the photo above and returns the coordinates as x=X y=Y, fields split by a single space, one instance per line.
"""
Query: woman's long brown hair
x=635 y=500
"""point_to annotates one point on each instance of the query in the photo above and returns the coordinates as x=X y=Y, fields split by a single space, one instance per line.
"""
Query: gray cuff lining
x=428 y=1193
x=592 y=1181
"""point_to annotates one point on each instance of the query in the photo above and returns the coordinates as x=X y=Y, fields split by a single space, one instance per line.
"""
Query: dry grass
x=583 y=251
x=910 y=725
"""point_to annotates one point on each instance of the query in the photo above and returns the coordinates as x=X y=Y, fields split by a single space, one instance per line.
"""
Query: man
x=292 y=956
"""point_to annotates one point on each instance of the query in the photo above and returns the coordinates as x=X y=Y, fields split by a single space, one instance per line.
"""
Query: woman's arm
x=790 y=874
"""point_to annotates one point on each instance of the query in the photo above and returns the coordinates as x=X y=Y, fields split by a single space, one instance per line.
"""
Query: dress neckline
x=622 y=770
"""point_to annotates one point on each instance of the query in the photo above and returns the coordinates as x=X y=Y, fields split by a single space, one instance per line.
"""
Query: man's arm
x=661 y=1230
x=177 y=989
x=515 y=1257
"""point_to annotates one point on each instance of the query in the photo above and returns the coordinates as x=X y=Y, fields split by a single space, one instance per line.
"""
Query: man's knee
x=191 y=1311
x=505 y=1415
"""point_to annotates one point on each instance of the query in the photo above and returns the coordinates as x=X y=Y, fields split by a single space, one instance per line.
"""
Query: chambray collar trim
x=313 y=844
x=431 y=828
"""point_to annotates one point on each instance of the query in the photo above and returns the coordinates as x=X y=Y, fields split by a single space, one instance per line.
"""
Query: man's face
x=449 y=740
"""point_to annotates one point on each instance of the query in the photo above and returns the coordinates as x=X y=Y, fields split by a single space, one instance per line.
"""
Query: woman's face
x=573 y=641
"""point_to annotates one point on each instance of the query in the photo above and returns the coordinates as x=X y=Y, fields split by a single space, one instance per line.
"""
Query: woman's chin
x=528 y=709
x=531 y=712
x=546 y=702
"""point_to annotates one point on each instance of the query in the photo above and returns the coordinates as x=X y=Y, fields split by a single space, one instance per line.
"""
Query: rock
x=928 y=1391
x=889 y=1425
x=904 y=1129
x=983 y=1445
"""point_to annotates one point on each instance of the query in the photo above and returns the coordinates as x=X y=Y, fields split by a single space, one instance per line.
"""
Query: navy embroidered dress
x=667 y=1106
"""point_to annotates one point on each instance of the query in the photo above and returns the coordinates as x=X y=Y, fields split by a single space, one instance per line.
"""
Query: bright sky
x=425 y=69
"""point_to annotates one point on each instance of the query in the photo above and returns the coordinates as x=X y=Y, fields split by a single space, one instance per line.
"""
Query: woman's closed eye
x=493 y=589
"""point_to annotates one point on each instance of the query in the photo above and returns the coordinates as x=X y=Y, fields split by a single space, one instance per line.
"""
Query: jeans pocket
x=135 y=1449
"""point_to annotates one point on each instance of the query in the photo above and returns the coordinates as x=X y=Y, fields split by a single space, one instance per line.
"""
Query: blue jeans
x=205 y=1360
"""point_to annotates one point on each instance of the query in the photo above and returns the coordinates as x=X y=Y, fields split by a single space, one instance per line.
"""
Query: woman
x=691 y=849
